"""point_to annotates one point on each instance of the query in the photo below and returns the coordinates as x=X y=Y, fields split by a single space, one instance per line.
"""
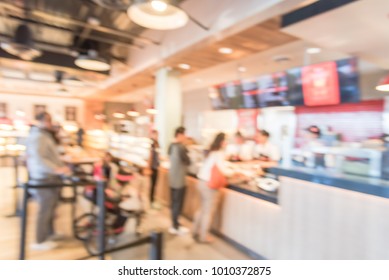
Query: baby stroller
x=119 y=208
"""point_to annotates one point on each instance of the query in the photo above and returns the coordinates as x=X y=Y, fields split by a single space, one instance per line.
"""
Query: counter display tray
x=251 y=189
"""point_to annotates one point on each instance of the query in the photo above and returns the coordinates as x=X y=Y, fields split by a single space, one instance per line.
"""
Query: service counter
x=314 y=215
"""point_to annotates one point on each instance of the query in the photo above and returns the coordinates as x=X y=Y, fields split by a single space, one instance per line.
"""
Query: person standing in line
x=266 y=152
x=154 y=165
x=179 y=162
x=80 y=136
x=209 y=198
x=45 y=167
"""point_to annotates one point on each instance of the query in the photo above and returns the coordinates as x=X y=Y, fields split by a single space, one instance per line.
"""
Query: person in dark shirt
x=80 y=136
x=179 y=162
x=154 y=164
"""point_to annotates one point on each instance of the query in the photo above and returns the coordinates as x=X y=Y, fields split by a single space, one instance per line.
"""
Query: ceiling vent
x=23 y=44
x=281 y=58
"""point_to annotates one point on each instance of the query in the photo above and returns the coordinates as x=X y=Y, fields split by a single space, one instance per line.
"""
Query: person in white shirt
x=267 y=153
x=209 y=197
x=239 y=150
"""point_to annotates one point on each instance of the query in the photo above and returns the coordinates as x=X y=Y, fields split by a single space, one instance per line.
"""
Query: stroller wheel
x=83 y=225
x=91 y=242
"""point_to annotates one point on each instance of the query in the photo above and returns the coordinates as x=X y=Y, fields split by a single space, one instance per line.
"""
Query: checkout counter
x=314 y=214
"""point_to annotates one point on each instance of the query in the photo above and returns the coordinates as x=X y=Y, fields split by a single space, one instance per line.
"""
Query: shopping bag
x=217 y=180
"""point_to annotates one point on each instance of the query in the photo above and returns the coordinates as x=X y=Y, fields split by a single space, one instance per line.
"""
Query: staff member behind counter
x=239 y=149
x=265 y=152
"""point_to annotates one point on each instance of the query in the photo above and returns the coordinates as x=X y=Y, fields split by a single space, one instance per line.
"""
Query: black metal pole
x=101 y=218
x=156 y=246
x=16 y=192
x=17 y=212
x=23 y=223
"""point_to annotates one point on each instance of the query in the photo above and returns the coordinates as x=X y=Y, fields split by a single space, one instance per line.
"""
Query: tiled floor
x=175 y=247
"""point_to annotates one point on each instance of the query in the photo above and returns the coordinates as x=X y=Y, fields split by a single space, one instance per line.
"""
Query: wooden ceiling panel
x=255 y=39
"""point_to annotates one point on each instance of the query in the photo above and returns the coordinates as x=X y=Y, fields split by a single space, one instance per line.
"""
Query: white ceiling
x=223 y=17
x=256 y=65
x=360 y=28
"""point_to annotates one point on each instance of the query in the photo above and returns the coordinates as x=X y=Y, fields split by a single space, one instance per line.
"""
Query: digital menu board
x=327 y=83
x=320 y=84
x=227 y=96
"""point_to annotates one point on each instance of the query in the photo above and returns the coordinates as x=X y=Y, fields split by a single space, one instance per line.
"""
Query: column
x=168 y=101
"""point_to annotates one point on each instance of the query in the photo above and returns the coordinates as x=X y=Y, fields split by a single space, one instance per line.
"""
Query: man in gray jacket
x=179 y=162
x=44 y=167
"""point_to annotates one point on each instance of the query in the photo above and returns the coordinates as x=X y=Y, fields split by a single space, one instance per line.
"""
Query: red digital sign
x=320 y=84
x=247 y=121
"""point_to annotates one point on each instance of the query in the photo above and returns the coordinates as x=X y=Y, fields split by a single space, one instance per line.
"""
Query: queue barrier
x=155 y=239
x=15 y=160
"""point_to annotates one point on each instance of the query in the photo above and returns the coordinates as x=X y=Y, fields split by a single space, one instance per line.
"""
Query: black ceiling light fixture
x=92 y=61
x=90 y=58
x=22 y=45
x=59 y=78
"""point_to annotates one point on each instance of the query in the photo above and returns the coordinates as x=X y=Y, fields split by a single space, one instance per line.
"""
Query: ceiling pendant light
x=92 y=62
x=157 y=14
x=383 y=84
x=23 y=45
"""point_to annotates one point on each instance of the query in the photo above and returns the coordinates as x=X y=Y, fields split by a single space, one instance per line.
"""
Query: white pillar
x=168 y=101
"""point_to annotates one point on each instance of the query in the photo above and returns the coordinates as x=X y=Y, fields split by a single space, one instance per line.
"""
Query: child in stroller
x=119 y=204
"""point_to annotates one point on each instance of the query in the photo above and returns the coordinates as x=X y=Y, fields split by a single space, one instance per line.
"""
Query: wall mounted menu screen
x=227 y=96
x=327 y=83
x=320 y=84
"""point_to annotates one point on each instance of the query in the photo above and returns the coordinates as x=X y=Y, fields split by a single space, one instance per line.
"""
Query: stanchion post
x=101 y=185
x=16 y=197
x=156 y=245
x=23 y=223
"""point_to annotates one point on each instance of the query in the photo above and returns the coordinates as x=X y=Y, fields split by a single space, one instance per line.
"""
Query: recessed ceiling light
x=313 y=50
x=133 y=113
x=226 y=50
x=151 y=111
x=242 y=69
x=184 y=66
x=118 y=115
x=100 y=117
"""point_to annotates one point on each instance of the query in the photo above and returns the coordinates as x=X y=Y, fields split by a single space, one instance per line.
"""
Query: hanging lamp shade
x=22 y=45
x=383 y=84
x=157 y=14
x=92 y=61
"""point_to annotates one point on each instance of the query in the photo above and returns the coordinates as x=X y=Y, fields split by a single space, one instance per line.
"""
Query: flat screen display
x=327 y=83
x=227 y=96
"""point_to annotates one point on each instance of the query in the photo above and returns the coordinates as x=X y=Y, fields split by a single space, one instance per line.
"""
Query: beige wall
x=194 y=103
x=55 y=105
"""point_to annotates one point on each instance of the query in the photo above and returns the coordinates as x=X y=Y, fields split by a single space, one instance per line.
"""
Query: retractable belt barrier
x=155 y=239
